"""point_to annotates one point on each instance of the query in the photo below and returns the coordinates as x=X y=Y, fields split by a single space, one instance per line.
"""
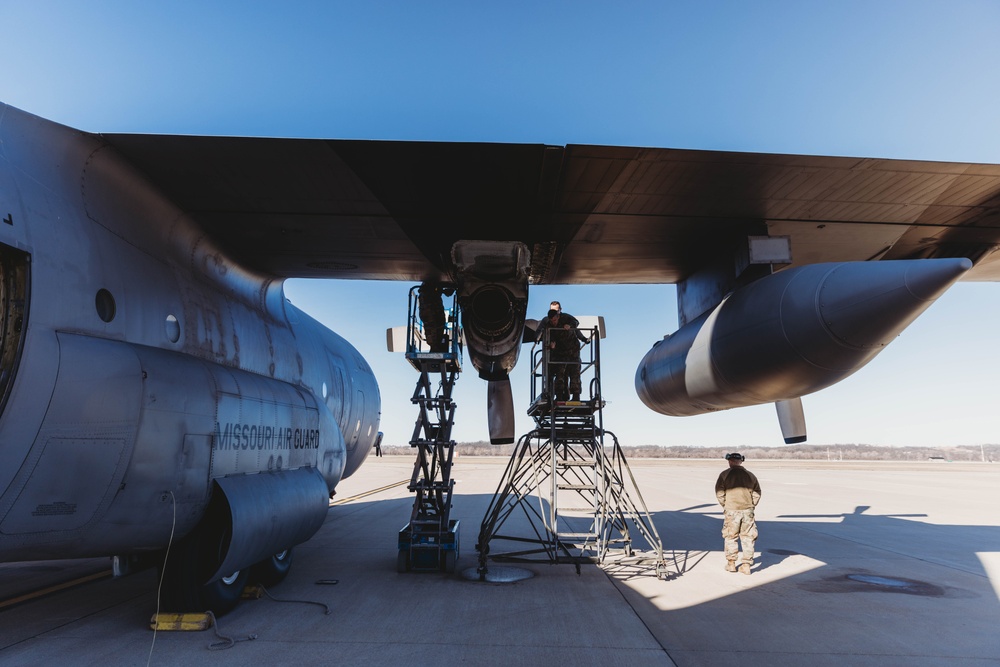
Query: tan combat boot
x=744 y=569
x=730 y=566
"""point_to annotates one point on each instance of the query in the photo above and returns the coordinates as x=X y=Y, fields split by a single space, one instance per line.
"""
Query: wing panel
x=599 y=214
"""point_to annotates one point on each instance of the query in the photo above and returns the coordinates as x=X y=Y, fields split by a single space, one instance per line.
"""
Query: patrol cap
x=736 y=455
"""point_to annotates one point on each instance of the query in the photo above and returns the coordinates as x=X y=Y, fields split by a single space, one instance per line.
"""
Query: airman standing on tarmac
x=738 y=491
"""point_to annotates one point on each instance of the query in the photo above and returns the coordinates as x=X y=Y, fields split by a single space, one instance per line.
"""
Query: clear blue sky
x=897 y=79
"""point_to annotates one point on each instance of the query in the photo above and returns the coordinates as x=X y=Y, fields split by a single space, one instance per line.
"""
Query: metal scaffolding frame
x=578 y=495
x=430 y=541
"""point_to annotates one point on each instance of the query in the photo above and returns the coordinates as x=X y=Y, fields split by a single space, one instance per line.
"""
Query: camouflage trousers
x=561 y=370
x=738 y=527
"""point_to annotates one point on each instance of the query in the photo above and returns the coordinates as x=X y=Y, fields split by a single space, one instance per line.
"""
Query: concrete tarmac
x=857 y=564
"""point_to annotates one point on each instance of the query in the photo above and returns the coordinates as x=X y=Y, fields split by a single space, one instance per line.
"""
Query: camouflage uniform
x=564 y=356
x=738 y=491
x=739 y=524
x=431 y=313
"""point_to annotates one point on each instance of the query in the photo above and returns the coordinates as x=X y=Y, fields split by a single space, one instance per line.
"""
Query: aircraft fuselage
x=140 y=363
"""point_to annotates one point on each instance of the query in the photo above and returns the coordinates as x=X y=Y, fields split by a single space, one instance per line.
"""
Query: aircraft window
x=173 y=329
x=357 y=427
x=105 y=305
x=324 y=391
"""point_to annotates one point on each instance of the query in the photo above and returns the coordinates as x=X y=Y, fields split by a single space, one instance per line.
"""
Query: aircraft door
x=13 y=315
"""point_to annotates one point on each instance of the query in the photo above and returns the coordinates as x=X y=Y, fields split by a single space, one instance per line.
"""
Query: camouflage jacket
x=737 y=489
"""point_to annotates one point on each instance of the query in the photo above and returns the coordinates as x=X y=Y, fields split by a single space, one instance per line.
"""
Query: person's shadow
x=690 y=534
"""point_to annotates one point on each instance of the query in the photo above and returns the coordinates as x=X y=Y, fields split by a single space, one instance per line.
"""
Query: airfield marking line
x=369 y=493
x=53 y=589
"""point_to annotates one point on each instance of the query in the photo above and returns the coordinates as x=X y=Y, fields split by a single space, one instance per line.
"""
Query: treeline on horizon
x=839 y=452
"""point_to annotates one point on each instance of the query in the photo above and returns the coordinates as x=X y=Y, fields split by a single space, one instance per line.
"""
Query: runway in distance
x=156 y=386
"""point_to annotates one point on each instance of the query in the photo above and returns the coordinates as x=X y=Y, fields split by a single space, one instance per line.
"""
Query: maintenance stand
x=579 y=498
x=429 y=542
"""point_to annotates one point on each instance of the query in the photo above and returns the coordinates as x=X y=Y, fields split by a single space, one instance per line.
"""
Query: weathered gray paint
x=112 y=430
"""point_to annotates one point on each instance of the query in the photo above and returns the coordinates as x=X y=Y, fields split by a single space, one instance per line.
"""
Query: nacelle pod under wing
x=790 y=334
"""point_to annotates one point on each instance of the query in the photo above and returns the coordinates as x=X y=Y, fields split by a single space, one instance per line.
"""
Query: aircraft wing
x=589 y=214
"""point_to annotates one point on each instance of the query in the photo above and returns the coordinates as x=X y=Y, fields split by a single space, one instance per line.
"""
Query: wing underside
x=588 y=214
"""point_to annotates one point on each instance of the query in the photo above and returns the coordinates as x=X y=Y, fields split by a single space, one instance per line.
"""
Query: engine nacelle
x=492 y=322
x=789 y=334
x=492 y=281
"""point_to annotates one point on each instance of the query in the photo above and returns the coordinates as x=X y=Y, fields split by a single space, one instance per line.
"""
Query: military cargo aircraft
x=160 y=397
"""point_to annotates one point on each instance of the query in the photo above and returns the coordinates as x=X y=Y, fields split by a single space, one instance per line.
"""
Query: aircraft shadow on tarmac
x=852 y=588
x=858 y=584
x=691 y=532
x=901 y=588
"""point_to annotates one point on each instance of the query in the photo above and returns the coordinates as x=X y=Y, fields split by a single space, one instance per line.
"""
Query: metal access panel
x=769 y=249
x=67 y=485
x=80 y=456
x=271 y=425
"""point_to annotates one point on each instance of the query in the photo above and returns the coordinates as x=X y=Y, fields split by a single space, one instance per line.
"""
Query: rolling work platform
x=578 y=495
x=429 y=542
